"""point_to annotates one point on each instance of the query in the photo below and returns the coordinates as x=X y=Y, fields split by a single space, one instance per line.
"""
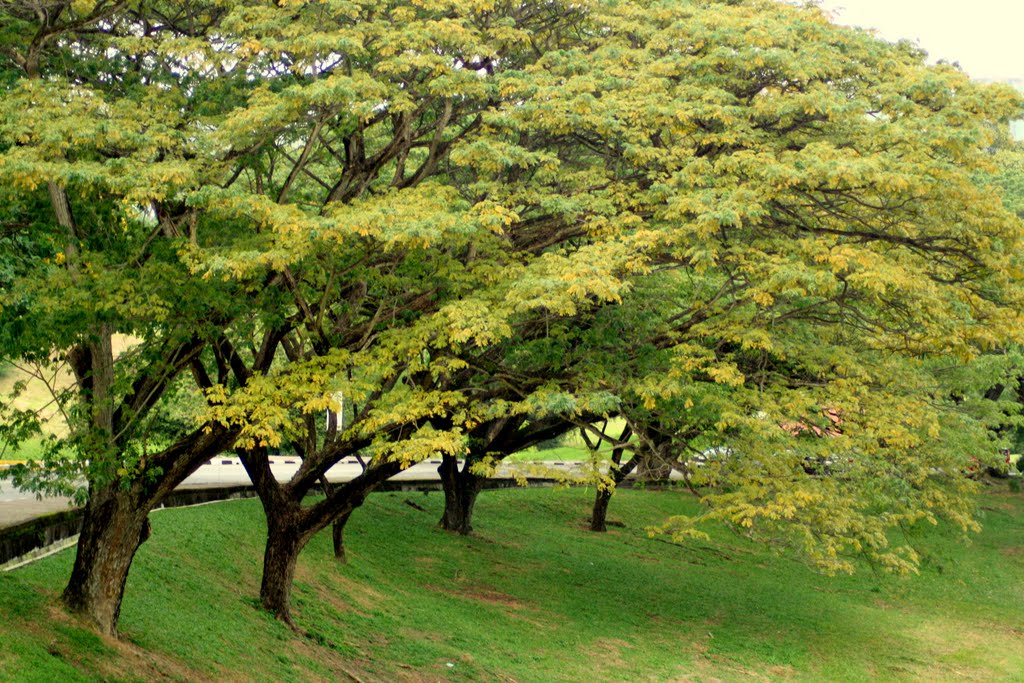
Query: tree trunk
x=116 y=523
x=338 y=527
x=619 y=472
x=290 y=525
x=598 y=519
x=284 y=543
x=461 y=488
x=337 y=533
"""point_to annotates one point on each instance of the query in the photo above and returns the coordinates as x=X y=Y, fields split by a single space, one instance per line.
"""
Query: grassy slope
x=530 y=597
x=37 y=396
x=569 y=446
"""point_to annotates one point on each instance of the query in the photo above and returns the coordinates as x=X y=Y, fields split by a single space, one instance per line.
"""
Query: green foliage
x=818 y=225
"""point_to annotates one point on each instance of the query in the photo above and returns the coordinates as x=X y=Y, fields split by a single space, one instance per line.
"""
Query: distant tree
x=487 y=445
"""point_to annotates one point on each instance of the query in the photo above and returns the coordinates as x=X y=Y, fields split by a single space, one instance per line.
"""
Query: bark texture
x=653 y=469
x=496 y=439
x=116 y=523
x=290 y=524
x=338 y=536
x=284 y=543
x=599 y=516
x=461 y=488
x=114 y=526
x=289 y=529
x=618 y=473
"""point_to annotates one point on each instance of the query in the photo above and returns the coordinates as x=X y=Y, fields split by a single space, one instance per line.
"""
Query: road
x=17 y=506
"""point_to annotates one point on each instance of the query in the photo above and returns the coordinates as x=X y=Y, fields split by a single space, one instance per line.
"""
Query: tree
x=487 y=445
x=823 y=226
x=618 y=471
x=396 y=201
x=189 y=227
x=98 y=150
x=396 y=262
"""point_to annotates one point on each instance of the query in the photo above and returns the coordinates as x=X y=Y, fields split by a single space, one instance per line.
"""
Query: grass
x=31 y=449
x=36 y=395
x=569 y=446
x=531 y=596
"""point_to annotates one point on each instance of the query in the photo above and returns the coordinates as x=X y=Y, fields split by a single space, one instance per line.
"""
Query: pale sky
x=986 y=37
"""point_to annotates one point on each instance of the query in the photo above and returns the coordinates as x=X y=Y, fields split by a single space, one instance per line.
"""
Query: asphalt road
x=17 y=506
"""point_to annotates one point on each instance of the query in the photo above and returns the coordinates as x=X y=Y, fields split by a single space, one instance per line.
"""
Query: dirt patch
x=480 y=594
x=417 y=635
x=339 y=603
x=349 y=599
x=342 y=593
x=965 y=651
x=134 y=662
x=107 y=658
x=364 y=595
x=712 y=669
x=406 y=674
x=341 y=668
x=511 y=606
x=494 y=598
x=778 y=672
x=647 y=558
x=441 y=670
x=606 y=653
x=410 y=675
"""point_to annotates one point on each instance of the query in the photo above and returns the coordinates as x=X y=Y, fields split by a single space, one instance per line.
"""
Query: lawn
x=37 y=386
x=531 y=596
x=570 y=446
x=35 y=396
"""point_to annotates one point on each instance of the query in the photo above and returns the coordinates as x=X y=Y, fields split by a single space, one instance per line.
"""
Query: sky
x=986 y=37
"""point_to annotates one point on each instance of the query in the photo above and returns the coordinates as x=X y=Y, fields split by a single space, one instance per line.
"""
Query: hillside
x=37 y=394
x=530 y=597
